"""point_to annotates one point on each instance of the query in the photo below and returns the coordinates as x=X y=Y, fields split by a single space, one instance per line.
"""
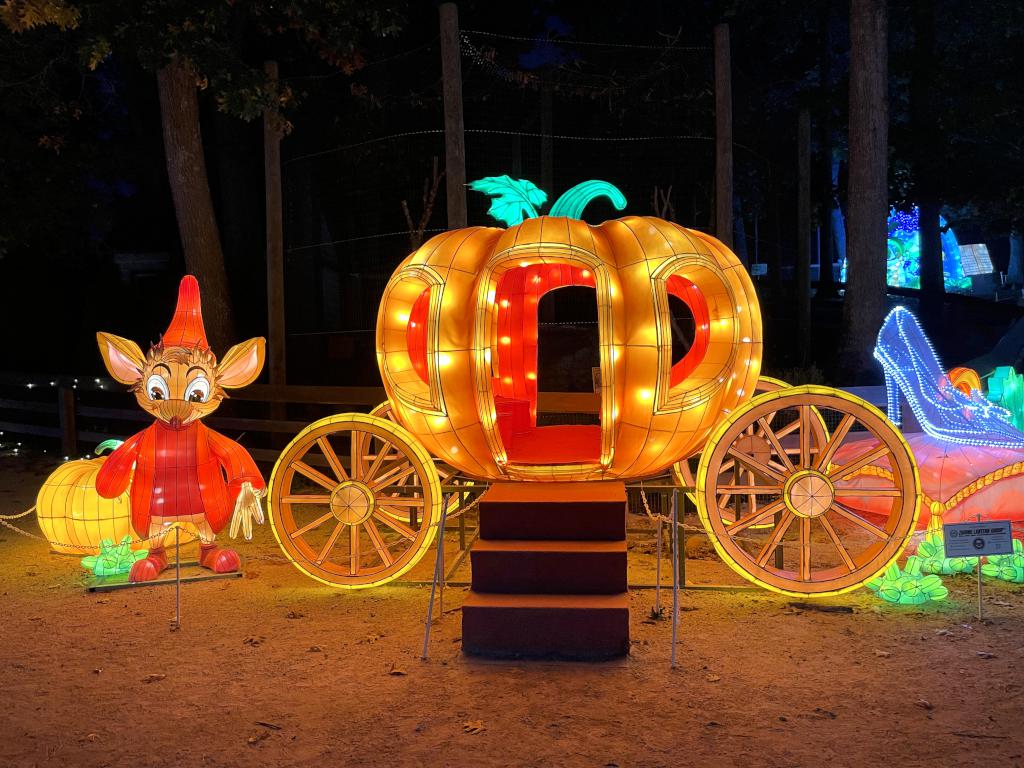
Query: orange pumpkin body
x=457 y=345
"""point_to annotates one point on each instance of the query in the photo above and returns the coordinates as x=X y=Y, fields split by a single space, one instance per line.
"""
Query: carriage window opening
x=683 y=328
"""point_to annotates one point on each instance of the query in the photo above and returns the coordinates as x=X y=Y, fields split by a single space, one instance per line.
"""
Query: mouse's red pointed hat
x=186 y=328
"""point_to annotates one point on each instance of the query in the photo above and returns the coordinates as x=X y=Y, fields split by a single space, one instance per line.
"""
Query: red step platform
x=549 y=573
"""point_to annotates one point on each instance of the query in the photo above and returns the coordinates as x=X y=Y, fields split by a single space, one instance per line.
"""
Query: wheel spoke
x=391 y=479
x=760 y=516
x=381 y=454
x=834 y=536
x=394 y=475
x=805 y=549
x=332 y=458
x=353 y=532
x=378 y=542
x=330 y=543
x=805 y=436
x=776 y=538
x=834 y=442
x=395 y=525
x=399 y=501
x=883 y=492
x=306 y=499
x=760 y=490
x=310 y=526
x=757 y=466
x=859 y=521
x=864 y=459
x=315 y=475
x=776 y=445
x=355 y=454
x=788 y=429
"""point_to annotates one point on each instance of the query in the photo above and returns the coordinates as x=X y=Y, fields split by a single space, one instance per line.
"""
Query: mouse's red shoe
x=219 y=559
x=149 y=567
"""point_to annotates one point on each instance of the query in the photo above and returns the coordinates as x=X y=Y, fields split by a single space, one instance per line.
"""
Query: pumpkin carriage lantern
x=355 y=498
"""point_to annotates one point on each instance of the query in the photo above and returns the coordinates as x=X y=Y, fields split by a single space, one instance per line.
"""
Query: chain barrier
x=667 y=519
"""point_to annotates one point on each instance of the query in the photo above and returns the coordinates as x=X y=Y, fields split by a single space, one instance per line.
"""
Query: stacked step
x=549 y=573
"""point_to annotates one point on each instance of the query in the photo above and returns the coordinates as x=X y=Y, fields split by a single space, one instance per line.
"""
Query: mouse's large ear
x=122 y=357
x=242 y=364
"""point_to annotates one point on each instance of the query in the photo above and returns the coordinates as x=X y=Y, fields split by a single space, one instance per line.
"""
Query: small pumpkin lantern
x=73 y=517
x=457 y=338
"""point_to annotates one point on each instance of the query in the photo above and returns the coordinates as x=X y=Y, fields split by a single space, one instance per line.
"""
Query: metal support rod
x=675 y=574
x=177 y=577
x=981 y=614
x=657 y=574
x=462 y=521
x=438 y=575
x=680 y=534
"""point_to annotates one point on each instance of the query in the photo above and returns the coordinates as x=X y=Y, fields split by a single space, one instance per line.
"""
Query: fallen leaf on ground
x=271 y=726
x=924 y=704
x=474 y=727
x=153 y=678
x=713 y=678
x=294 y=615
x=396 y=671
x=256 y=738
x=882 y=654
x=986 y=655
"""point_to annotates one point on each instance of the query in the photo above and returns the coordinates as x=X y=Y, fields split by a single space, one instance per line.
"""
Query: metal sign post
x=977 y=539
x=438 y=575
x=177 y=578
x=675 y=573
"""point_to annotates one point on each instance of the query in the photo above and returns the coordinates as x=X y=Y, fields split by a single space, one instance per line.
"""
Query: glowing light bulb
x=531 y=375
x=507 y=380
x=490 y=295
x=504 y=303
x=444 y=359
x=487 y=355
x=403 y=317
x=505 y=340
x=585 y=273
x=644 y=395
x=524 y=264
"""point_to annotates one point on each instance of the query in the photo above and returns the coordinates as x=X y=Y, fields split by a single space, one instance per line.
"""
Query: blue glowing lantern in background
x=904 y=262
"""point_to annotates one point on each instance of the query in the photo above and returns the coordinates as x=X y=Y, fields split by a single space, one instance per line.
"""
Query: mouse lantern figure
x=178 y=470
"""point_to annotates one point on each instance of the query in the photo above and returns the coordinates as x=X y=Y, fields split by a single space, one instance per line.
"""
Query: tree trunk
x=933 y=288
x=924 y=128
x=1015 y=270
x=190 y=189
x=864 y=307
x=803 y=246
x=826 y=193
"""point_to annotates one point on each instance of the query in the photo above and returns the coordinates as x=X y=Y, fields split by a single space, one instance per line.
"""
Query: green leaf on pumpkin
x=514 y=199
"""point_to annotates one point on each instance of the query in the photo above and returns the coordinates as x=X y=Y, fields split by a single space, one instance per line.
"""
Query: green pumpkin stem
x=573 y=201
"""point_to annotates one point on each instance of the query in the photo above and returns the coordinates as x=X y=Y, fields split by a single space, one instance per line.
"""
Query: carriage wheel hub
x=352 y=502
x=809 y=493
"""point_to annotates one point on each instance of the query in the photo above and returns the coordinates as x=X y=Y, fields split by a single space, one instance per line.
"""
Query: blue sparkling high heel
x=943 y=411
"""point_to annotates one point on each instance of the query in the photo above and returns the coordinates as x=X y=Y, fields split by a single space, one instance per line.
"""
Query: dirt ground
x=275 y=669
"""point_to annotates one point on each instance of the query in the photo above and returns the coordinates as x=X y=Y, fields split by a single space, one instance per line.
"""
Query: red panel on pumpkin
x=690 y=295
x=514 y=369
x=417 y=333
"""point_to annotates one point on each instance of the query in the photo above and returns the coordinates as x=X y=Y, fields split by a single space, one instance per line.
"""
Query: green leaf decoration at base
x=113 y=559
x=908 y=586
x=514 y=200
x=1007 y=567
x=931 y=553
x=1006 y=388
x=573 y=201
x=107 y=445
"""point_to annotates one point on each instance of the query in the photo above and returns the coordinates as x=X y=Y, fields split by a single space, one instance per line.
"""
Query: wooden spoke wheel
x=369 y=450
x=799 y=539
x=349 y=521
x=740 y=505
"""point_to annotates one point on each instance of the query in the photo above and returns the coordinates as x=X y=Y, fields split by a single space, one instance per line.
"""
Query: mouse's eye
x=198 y=390
x=156 y=388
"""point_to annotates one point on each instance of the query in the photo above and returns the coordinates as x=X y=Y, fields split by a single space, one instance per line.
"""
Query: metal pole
x=978 y=566
x=723 y=135
x=454 y=137
x=675 y=574
x=438 y=565
x=657 y=577
x=275 y=243
x=177 y=577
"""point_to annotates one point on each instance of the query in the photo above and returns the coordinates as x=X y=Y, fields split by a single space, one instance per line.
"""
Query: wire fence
x=555 y=111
